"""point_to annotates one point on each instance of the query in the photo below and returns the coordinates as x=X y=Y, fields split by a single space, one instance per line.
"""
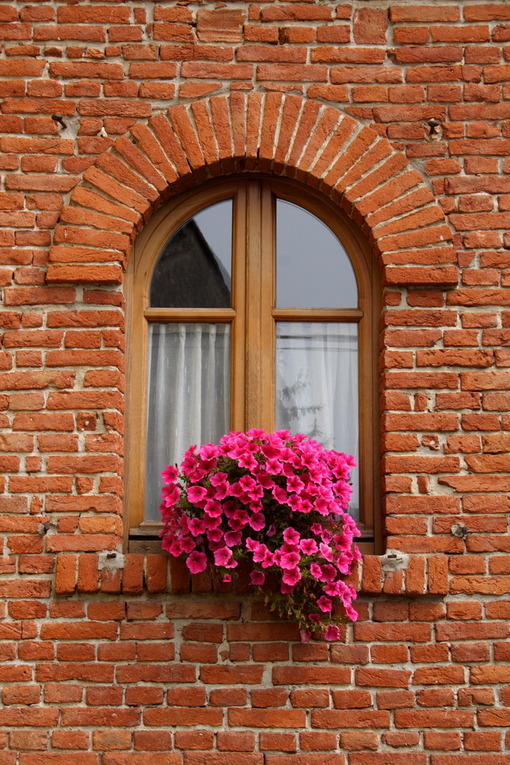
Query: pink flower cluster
x=278 y=501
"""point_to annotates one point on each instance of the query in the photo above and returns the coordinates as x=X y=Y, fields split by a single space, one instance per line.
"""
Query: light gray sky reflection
x=313 y=269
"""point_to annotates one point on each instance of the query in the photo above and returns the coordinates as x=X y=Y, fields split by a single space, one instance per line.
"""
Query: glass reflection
x=194 y=269
x=313 y=269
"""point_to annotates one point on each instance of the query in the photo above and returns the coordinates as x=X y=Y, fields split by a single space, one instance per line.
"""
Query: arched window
x=252 y=304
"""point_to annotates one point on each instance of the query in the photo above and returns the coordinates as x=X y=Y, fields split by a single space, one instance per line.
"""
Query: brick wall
x=400 y=114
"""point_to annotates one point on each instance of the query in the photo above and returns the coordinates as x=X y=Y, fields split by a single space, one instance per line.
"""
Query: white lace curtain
x=188 y=395
x=317 y=386
x=188 y=392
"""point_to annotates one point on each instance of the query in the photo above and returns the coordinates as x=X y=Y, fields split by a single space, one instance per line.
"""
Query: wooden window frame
x=252 y=317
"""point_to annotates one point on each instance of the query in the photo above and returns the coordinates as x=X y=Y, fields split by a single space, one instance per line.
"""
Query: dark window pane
x=313 y=269
x=194 y=269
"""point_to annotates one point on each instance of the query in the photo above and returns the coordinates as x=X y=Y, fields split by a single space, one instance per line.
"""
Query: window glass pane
x=195 y=266
x=188 y=395
x=317 y=386
x=313 y=269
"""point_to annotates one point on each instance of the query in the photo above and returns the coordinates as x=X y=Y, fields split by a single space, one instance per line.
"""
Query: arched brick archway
x=283 y=134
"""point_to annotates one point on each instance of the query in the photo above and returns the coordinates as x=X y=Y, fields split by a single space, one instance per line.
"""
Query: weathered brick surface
x=400 y=115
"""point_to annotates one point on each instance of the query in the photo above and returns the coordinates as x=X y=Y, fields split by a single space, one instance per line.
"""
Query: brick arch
x=287 y=135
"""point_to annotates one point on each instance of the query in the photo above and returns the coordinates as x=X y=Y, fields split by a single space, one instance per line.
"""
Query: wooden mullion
x=260 y=353
x=239 y=305
x=267 y=299
x=254 y=380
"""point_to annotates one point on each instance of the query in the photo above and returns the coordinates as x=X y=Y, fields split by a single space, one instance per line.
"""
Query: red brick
x=281 y=718
x=370 y=26
x=220 y=25
x=349 y=718
x=222 y=758
x=382 y=678
x=304 y=759
x=424 y=14
x=296 y=12
x=28 y=740
x=482 y=741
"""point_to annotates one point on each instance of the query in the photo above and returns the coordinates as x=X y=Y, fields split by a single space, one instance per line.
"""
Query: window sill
x=145 y=539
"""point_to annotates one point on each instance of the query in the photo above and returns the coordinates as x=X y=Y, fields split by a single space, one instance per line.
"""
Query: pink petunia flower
x=236 y=490
x=218 y=478
x=188 y=544
x=324 y=603
x=294 y=483
x=257 y=577
x=344 y=563
x=223 y=556
x=213 y=508
x=291 y=536
x=257 y=521
x=316 y=571
x=233 y=538
x=247 y=461
x=267 y=560
x=326 y=551
x=299 y=504
x=264 y=479
x=308 y=546
x=208 y=451
x=169 y=474
x=221 y=490
x=328 y=573
x=196 y=562
x=210 y=522
x=196 y=526
x=280 y=495
x=247 y=483
x=255 y=433
x=274 y=466
x=197 y=494
x=289 y=560
x=292 y=576
x=171 y=495
x=172 y=546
